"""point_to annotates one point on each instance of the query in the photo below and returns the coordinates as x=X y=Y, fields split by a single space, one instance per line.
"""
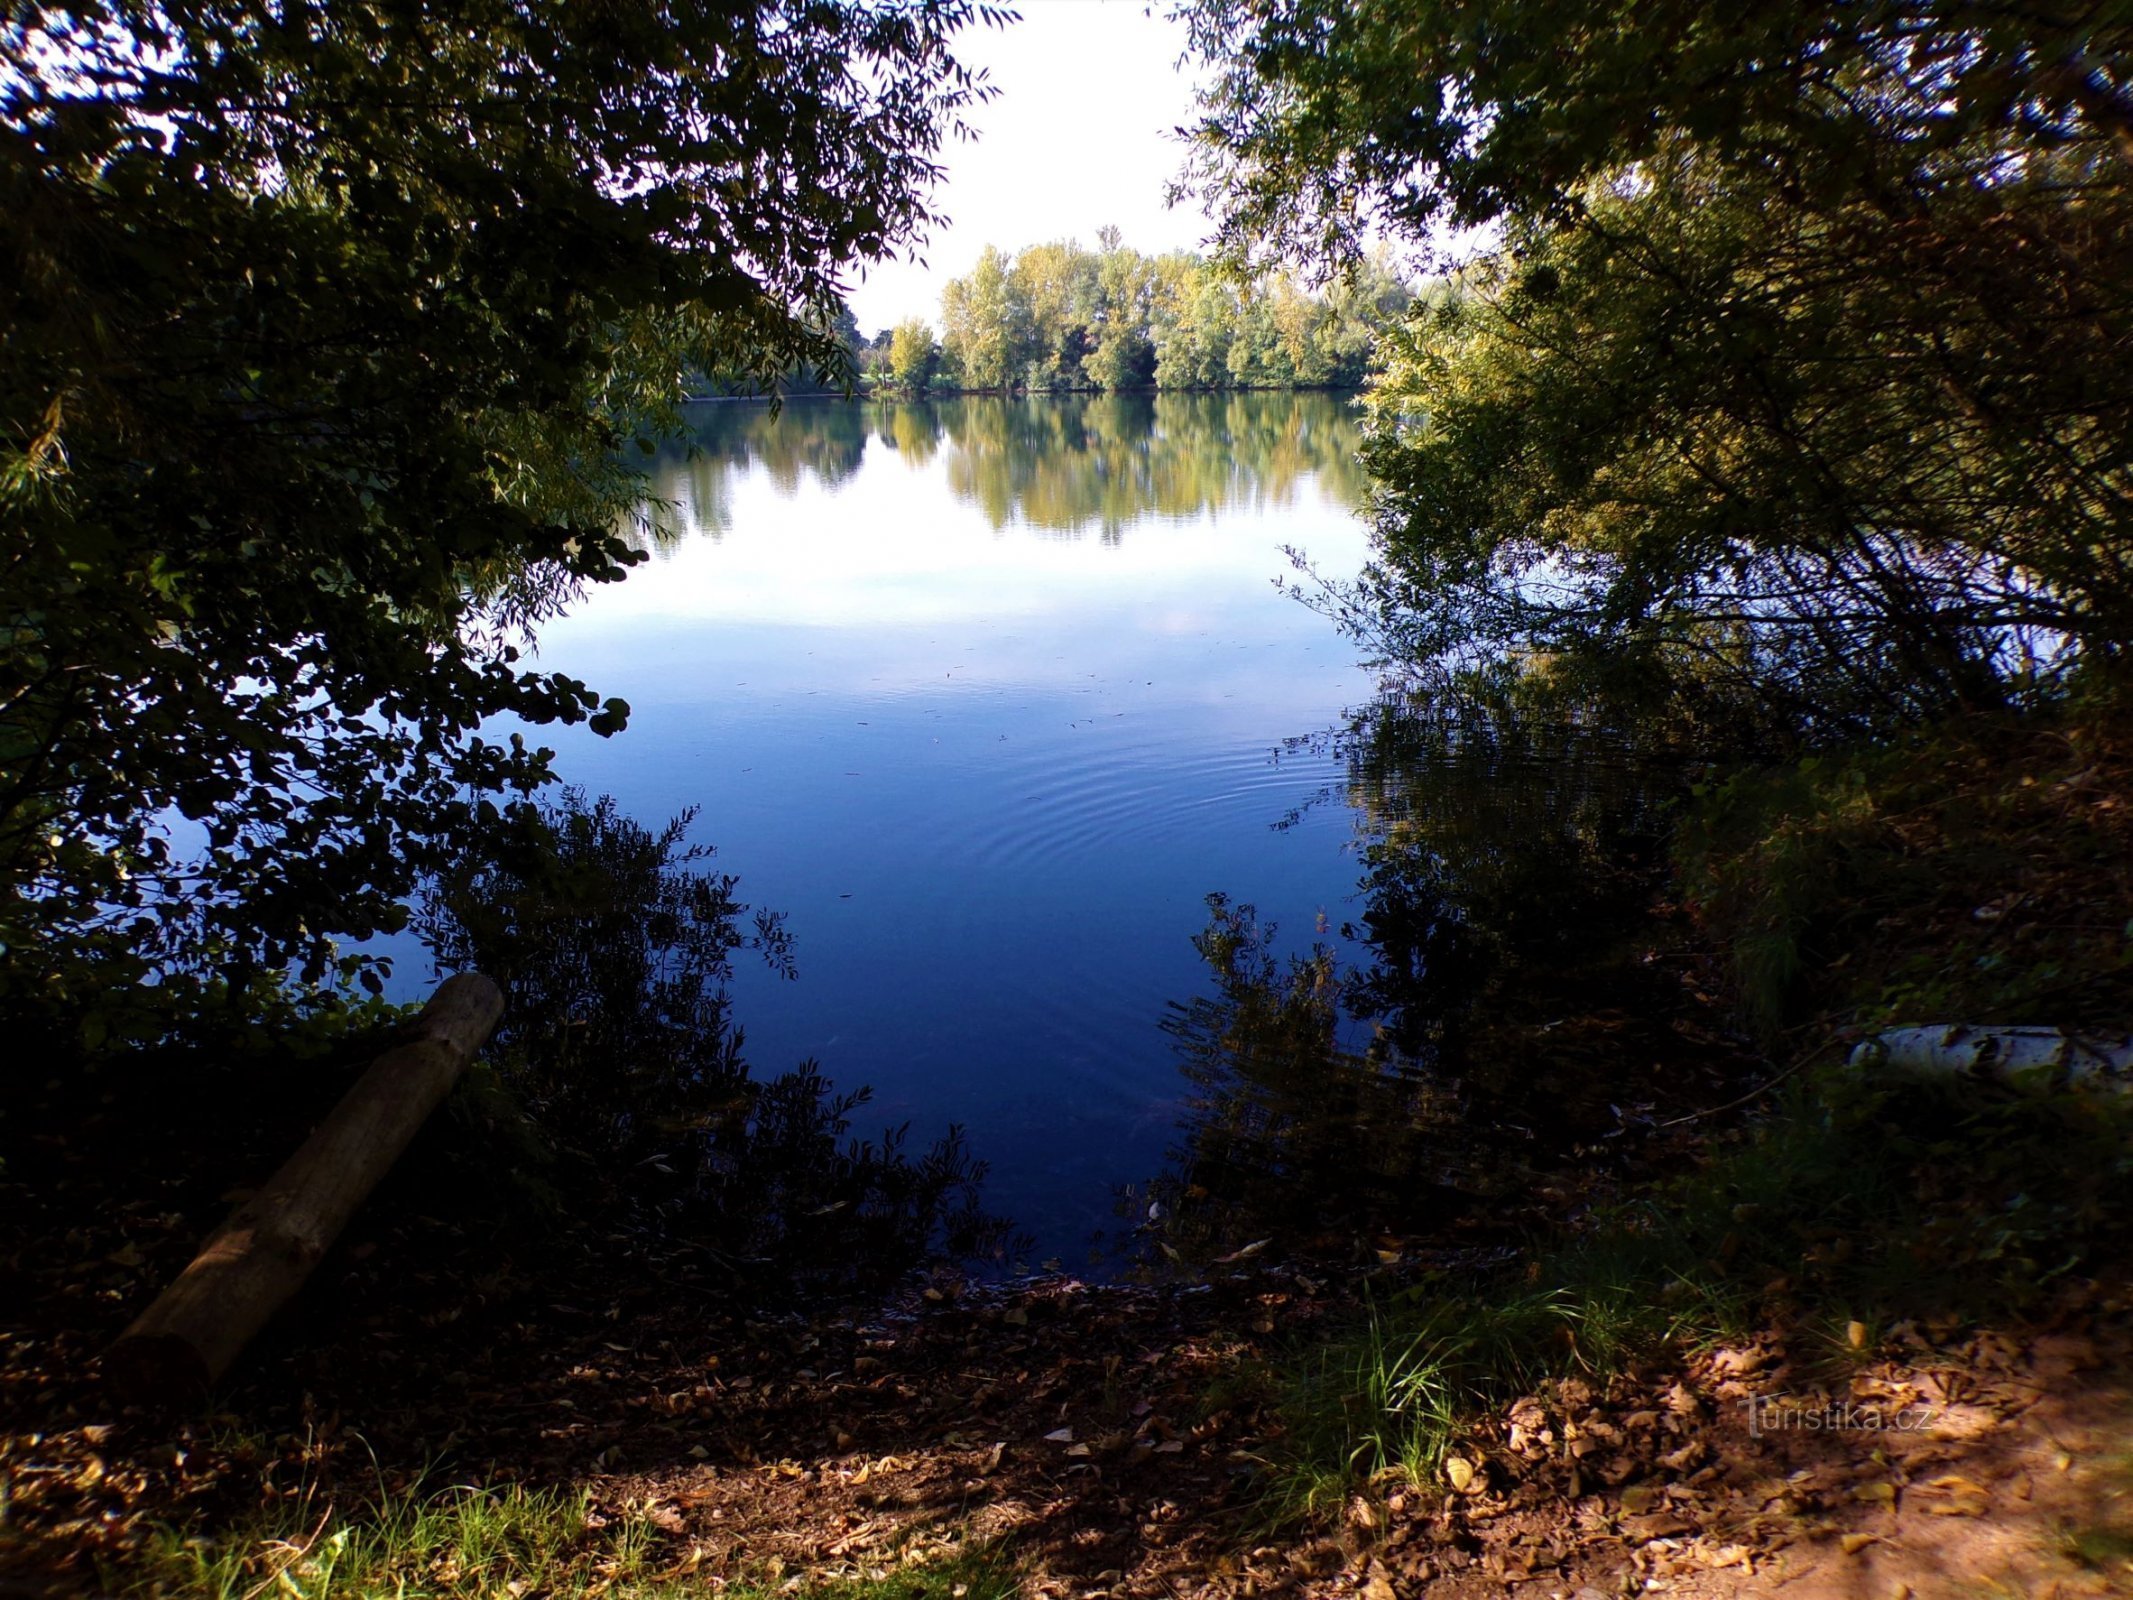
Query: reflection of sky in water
x=989 y=774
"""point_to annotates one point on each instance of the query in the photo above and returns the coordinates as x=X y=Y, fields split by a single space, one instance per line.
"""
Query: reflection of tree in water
x=1063 y=466
x=1060 y=465
x=623 y=1068
x=1500 y=1015
x=1287 y=1118
x=1497 y=845
x=912 y=430
x=691 y=482
x=689 y=501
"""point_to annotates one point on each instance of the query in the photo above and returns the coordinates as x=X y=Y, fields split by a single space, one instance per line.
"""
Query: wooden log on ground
x=257 y=1260
x=2048 y=1057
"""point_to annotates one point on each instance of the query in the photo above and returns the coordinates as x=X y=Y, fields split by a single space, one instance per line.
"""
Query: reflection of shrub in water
x=1509 y=855
x=618 y=1048
x=1287 y=1128
x=1502 y=1010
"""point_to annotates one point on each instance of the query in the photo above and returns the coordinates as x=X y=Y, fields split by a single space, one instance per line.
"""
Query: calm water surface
x=984 y=697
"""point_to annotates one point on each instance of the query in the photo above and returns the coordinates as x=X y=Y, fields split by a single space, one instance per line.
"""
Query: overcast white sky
x=1079 y=136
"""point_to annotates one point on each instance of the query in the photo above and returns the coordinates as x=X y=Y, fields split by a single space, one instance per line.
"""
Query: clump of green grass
x=1392 y=1399
x=462 y=1541
x=466 y=1542
x=1848 y=1204
x=2103 y=1540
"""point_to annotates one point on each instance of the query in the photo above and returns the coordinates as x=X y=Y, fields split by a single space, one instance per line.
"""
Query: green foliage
x=1792 y=402
x=1124 y=358
x=324 y=336
x=984 y=329
x=1783 y=404
x=912 y=355
x=840 y=354
x=1758 y=462
x=1326 y=121
x=1059 y=317
x=1394 y=1396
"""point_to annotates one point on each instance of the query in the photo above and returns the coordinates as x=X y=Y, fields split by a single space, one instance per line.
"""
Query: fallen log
x=2048 y=1057
x=251 y=1266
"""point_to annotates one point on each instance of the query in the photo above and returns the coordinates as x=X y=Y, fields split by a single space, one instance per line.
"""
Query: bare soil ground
x=1084 y=1433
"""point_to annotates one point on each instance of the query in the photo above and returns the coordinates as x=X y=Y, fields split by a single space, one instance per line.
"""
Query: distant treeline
x=1058 y=316
x=1063 y=318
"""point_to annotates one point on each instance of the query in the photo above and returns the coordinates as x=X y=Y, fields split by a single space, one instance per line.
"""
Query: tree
x=1708 y=444
x=1124 y=355
x=1061 y=317
x=1123 y=358
x=911 y=354
x=984 y=325
x=1058 y=283
x=1196 y=318
x=325 y=331
x=1795 y=381
x=1326 y=119
x=1297 y=321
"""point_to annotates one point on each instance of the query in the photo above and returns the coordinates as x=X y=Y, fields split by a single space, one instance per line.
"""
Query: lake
x=986 y=697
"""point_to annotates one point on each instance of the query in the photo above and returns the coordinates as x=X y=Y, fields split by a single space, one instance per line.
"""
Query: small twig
x=1752 y=1094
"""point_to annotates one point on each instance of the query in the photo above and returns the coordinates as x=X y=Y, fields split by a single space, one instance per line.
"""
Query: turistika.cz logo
x=1776 y=1414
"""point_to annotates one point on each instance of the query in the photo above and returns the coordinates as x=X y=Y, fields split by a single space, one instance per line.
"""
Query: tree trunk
x=256 y=1261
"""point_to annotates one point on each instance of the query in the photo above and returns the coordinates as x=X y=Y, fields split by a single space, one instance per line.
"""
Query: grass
x=1846 y=1205
x=2104 y=1542
x=496 y=1544
x=1976 y=872
x=1393 y=1398
x=1973 y=873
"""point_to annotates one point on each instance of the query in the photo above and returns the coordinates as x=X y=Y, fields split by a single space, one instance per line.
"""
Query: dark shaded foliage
x=1509 y=999
x=322 y=332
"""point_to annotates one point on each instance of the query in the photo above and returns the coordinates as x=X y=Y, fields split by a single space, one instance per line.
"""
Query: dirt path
x=1111 y=1441
x=1992 y=1465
